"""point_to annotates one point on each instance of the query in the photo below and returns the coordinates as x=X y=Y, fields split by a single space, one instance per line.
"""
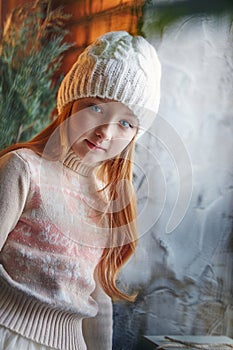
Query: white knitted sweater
x=48 y=289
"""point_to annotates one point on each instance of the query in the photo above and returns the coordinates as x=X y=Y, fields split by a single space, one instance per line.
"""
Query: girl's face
x=100 y=129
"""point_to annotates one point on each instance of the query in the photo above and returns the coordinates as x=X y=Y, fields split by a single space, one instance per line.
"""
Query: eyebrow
x=130 y=114
x=98 y=100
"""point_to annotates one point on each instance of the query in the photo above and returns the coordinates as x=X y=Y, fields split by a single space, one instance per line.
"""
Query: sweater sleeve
x=14 y=187
x=97 y=331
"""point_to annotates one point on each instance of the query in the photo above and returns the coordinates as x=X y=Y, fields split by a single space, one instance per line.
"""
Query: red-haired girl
x=67 y=204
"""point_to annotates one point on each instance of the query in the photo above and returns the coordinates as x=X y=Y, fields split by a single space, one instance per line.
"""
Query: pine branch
x=31 y=50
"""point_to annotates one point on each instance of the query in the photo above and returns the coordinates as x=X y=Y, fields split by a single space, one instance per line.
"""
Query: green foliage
x=31 y=49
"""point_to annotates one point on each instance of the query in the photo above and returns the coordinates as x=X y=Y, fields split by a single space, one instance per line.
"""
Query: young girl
x=68 y=209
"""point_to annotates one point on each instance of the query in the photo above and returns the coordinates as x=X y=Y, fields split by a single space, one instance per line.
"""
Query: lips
x=92 y=145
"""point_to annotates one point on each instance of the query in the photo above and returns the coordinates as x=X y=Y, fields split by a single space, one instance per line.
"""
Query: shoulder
x=26 y=155
x=18 y=161
x=15 y=174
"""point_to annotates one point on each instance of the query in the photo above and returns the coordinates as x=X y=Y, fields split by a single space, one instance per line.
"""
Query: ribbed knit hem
x=39 y=321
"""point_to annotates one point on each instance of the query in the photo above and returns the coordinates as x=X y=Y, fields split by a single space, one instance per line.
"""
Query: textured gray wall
x=183 y=268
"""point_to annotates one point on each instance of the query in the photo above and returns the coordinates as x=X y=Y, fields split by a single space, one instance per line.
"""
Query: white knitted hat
x=120 y=67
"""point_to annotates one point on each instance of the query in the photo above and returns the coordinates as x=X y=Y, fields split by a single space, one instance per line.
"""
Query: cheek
x=117 y=146
x=79 y=126
x=124 y=138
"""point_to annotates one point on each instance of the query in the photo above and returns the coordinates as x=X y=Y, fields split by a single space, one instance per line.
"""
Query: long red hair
x=122 y=220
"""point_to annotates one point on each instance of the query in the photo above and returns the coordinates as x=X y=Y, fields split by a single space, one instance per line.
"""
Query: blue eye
x=96 y=108
x=126 y=124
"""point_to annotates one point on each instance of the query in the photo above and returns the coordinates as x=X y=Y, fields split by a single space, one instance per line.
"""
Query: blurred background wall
x=185 y=276
x=183 y=267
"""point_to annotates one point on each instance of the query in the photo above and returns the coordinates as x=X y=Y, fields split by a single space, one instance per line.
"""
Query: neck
x=87 y=179
x=72 y=161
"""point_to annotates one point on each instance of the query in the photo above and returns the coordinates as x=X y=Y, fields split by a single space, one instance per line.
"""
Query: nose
x=104 y=132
